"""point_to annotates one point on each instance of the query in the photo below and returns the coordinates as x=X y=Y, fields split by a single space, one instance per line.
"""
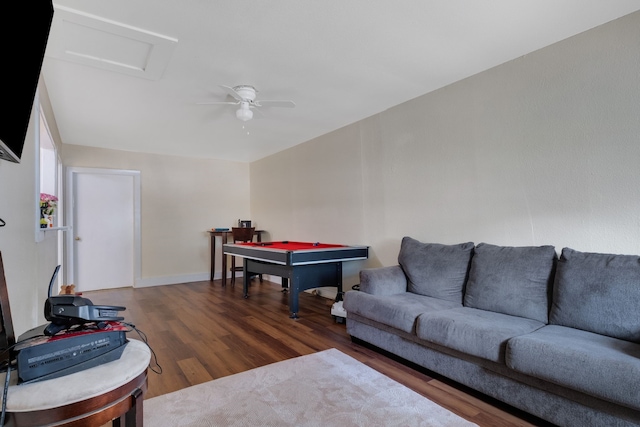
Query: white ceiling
x=129 y=74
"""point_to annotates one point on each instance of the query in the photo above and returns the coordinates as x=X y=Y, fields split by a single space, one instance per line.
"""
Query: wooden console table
x=111 y=392
x=224 y=237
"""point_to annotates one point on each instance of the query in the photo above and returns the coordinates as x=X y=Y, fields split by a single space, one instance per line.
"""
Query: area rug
x=322 y=389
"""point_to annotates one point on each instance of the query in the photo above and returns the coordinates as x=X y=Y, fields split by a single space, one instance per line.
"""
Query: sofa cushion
x=435 y=270
x=398 y=311
x=511 y=280
x=598 y=293
x=604 y=367
x=476 y=332
x=383 y=280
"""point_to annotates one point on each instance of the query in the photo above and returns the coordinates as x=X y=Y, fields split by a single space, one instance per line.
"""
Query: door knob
x=78 y=239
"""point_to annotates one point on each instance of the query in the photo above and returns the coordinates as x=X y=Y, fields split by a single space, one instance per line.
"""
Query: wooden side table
x=112 y=392
x=224 y=237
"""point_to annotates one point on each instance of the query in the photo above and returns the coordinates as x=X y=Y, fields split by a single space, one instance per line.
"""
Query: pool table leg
x=339 y=293
x=293 y=307
x=245 y=279
x=294 y=283
x=294 y=291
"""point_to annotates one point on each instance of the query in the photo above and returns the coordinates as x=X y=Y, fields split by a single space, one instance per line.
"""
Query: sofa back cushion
x=512 y=280
x=435 y=270
x=598 y=293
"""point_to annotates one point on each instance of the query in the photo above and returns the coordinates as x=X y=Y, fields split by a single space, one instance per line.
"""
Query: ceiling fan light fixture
x=244 y=114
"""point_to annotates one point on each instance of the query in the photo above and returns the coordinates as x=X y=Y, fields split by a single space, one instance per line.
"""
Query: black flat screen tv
x=24 y=31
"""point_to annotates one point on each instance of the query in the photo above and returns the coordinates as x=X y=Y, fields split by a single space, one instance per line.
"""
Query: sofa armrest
x=383 y=280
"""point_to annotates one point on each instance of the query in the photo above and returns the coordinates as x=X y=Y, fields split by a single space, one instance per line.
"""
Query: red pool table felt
x=292 y=246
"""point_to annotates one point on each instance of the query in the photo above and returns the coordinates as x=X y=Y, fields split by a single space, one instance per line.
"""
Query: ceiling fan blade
x=274 y=103
x=231 y=91
x=219 y=103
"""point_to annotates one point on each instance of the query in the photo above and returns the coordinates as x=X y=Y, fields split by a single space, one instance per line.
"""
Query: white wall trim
x=172 y=280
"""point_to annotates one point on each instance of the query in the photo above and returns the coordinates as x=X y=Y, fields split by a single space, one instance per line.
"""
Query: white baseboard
x=170 y=280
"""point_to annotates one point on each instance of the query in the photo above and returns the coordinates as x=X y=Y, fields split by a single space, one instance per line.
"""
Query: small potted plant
x=48 y=205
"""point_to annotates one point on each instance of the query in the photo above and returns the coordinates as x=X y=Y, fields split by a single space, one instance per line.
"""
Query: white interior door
x=104 y=230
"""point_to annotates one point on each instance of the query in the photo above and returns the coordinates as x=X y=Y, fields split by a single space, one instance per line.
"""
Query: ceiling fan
x=245 y=97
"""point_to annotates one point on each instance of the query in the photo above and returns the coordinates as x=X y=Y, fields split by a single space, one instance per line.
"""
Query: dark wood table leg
x=224 y=260
x=134 y=416
x=213 y=256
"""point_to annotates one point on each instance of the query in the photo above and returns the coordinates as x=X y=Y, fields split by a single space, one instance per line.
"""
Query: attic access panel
x=98 y=42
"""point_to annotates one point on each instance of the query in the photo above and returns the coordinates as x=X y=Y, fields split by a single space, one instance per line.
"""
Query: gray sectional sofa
x=557 y=338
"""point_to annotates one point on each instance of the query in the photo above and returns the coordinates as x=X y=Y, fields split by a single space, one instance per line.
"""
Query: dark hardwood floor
x=201 y=331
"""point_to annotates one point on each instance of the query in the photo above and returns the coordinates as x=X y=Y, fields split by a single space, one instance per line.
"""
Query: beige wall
x=544 y=149
x=28 y=264
x=181 y=198
x=541 y=150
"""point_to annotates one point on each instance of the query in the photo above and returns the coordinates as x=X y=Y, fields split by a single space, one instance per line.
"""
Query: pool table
x=301 y=265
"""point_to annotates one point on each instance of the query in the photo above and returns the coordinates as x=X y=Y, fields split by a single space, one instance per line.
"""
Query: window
x=49 y=186
x=49 y=212
x=48 y=161
x=50 y=172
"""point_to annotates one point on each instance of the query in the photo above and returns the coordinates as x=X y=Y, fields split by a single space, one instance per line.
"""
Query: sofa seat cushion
x=604 y=367
x=435 y=270
x=476 y=332
x=598 y=293
x=511 y=280
x=398 y=311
